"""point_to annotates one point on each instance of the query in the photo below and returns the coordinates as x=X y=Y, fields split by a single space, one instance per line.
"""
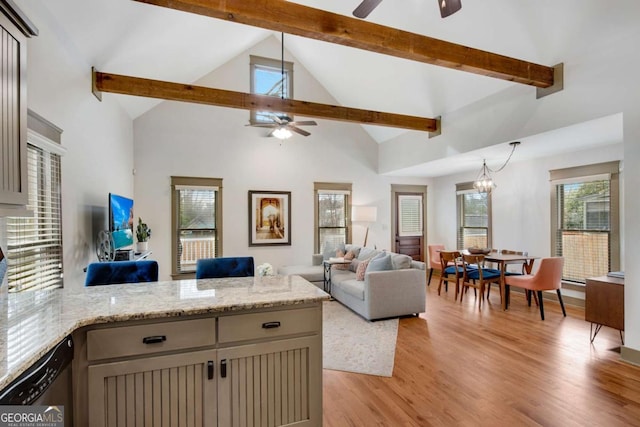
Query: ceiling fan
x=447 y=7
x=283 y=126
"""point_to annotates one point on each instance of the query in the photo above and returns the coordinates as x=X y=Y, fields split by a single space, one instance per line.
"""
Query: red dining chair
x=547 y=278
x=434 y=259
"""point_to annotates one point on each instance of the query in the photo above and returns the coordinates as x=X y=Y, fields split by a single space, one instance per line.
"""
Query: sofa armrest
x=395 y=292
x=316 y=259
x=418 y=265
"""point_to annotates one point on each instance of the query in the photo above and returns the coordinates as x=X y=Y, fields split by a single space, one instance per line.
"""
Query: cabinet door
x=271 y=384
x=13 y=114
x=175 y=390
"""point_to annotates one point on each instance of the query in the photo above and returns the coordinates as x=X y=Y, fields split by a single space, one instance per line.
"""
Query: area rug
x=353 y=344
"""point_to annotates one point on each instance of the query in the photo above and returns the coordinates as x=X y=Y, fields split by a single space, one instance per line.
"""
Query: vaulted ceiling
x=136 y=39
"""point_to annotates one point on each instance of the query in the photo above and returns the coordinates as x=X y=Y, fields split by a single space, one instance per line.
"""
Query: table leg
x=503 y=297
x=327 y=278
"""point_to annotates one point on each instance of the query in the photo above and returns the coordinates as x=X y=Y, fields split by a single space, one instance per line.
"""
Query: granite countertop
x=32 y=323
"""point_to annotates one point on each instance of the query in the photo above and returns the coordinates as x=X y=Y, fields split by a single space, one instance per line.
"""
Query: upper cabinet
x=15 y=28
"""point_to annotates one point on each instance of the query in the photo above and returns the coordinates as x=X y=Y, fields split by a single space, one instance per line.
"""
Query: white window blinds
x=34 y=244
x=410 y=215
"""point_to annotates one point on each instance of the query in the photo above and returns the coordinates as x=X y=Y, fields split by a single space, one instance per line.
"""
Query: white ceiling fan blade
x=365 y=8
x=298 y=130
x=449 y=7
x=304 y=123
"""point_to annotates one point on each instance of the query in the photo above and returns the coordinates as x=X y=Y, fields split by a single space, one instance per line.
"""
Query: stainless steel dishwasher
x=47 y=382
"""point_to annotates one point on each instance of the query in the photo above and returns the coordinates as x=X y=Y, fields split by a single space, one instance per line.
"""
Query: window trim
x=466 y=188
x=260 y=61
x=583 y=174
x=319 y=187
x=178 y=181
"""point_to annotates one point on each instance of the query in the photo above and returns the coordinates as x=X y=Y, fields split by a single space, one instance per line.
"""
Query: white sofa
x=398 y=291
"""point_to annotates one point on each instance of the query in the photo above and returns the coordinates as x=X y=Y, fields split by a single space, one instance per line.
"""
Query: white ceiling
x=127 y=37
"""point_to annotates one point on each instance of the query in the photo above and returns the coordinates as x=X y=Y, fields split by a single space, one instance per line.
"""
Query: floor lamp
x=366 y=214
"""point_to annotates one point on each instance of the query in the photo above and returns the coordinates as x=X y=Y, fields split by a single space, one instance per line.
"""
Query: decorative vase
x=142 y=246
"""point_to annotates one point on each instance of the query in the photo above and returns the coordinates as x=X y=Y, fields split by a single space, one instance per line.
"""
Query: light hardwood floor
x=457 y=366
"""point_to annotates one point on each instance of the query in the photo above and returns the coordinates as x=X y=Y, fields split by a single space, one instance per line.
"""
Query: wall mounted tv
x=121 y=220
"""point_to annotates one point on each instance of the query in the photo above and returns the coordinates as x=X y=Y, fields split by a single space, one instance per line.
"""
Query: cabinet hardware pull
x=271 y=325
x=154 y=339
x=223 y=368
x=210 y=366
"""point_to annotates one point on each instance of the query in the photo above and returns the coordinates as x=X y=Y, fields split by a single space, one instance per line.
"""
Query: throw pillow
x=354 y=265
x=362 y=268
x=353 y=248
x=347 y=257
x=382 y=262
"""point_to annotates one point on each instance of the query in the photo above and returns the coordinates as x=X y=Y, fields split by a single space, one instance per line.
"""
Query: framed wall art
x=269 y=218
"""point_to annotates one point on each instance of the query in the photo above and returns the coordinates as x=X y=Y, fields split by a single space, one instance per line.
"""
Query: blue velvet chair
x=110 y=273
x=211 y=268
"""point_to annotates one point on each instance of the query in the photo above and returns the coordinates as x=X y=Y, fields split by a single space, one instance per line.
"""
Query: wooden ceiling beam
x=293 y=18
x=136 y=86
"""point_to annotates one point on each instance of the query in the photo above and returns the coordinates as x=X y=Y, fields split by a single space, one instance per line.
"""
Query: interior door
x=410 y=225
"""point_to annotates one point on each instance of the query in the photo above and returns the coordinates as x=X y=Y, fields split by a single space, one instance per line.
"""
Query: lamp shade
x=364 y=213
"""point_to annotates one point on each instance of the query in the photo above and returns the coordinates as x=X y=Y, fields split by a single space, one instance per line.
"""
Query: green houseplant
x=143 y=234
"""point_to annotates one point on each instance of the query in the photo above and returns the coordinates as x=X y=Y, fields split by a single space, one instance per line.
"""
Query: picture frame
x=269 y=218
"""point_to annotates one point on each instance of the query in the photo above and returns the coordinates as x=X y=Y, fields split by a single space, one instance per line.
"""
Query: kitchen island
x=209 y=335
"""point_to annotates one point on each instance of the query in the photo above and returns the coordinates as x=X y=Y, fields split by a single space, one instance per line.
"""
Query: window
x=268 y=77
x=584 y=219
x=196 y=222
x=34 y=244
x=332 y=211
x=474 y=217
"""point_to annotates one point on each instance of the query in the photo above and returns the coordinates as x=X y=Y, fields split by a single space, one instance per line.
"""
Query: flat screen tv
x=121 y=220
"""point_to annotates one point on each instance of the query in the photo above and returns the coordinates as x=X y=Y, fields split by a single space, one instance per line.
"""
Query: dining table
x=503 y=260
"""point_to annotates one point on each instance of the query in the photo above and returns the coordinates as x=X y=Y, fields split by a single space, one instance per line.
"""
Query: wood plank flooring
x=458 y=366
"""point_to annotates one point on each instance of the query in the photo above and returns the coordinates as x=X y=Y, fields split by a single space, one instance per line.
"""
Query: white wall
x=600 y=81
x=521 y=202
x=183 y=139
x=98 y=138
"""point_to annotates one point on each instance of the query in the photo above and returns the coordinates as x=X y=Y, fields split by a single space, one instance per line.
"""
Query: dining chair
x=213 y=268
x=450 y=265
x=547 y=278
x=114 y=272
x=434 y=259
x=525 y=269
x=476 y=276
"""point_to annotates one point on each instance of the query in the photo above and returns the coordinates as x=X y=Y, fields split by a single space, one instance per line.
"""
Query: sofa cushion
x=331 y=250
x=362 y=268
x=312 y=273
x=353 y=248
x=367 y=253
x=354 y=265
x=400 y=261
x=381 y=262
x=354 y=288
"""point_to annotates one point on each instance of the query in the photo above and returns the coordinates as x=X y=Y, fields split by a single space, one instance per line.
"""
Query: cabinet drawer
x=245 y=327
x=150 y=338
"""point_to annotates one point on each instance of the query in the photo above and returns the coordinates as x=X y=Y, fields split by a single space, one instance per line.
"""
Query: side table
x=328 y=264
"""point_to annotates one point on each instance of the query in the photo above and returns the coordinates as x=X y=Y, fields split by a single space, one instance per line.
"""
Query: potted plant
x=143 y=234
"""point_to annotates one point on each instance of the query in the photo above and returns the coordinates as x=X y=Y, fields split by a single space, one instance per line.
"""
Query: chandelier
x=484 y=183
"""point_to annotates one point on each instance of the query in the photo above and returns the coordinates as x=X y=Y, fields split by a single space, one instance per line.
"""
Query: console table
x=604 y=304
